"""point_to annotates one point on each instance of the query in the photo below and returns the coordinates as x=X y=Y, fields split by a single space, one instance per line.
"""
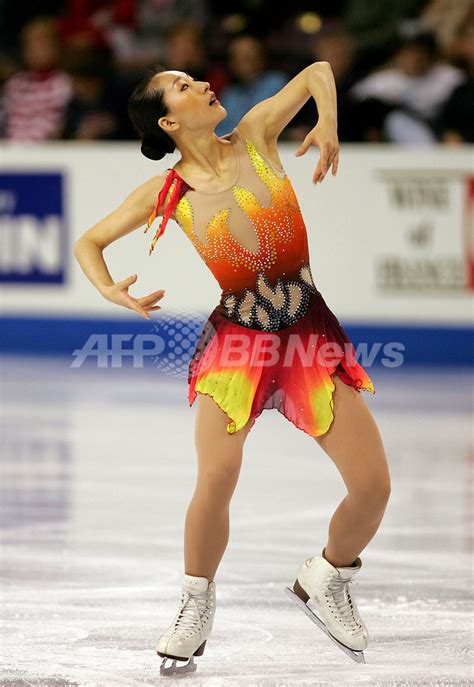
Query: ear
x=167 y=124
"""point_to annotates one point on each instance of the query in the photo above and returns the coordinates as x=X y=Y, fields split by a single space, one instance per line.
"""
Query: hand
x=118 y=293
x=323 y=135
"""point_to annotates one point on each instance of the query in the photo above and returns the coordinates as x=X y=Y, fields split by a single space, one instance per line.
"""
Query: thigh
x=219 y=453
x=354 y=444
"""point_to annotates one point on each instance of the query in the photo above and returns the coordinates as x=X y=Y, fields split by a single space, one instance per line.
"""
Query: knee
x=218 y=483
x=219 y=476
x=374 y=495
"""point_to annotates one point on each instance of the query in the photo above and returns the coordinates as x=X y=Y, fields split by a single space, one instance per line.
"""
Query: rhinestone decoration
x=270 y=308
x=272 y=223
x=278 y=226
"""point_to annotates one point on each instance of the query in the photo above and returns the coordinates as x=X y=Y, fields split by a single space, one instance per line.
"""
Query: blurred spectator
x=400 y=103
x=420 y=92
x=252 y=81
x=138 y=48
x=445 y=18
x=289 y=28
x=457 y=116
x=337 y=46
x=98 y=108
x=35 y=99
x=89 y=22
x=185 y=49
x=374 y=24
x=15 y=15
x=7 y=69
x=462 y=46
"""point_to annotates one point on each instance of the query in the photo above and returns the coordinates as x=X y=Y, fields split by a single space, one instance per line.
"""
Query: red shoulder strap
x=179 y=190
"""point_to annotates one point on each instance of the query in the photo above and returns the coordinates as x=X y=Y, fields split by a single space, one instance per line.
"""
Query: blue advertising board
x=33 y=228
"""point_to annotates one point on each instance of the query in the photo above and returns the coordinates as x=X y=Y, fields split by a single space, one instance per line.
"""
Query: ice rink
x=99 y=467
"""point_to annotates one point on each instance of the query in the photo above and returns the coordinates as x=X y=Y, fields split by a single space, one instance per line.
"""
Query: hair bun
x=145 y=107
x=155 y=148
x=151 y=150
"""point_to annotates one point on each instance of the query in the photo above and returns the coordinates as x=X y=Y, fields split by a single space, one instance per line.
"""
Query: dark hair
x=89 y=62
x=145 y=106
x=411 y=34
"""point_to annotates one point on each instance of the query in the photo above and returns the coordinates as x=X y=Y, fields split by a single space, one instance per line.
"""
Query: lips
x=213 y=100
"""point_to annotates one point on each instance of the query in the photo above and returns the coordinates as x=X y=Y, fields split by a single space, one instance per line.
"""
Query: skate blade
x=174 y=668
x=188 y=667
x=357 y=656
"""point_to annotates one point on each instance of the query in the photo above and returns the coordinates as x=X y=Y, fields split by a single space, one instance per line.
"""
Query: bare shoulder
x=149 y=191
x=132 y=213
x=249 y=128
x=147 y=194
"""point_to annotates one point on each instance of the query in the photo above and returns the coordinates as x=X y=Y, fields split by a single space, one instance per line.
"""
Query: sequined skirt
x=247 y=370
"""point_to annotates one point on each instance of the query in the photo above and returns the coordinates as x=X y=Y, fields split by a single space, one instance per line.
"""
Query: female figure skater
x=271 y=342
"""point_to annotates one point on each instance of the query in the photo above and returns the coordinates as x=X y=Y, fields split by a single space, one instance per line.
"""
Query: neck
x=204 y=151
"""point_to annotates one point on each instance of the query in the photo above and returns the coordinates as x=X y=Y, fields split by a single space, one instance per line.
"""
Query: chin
x=223 y=114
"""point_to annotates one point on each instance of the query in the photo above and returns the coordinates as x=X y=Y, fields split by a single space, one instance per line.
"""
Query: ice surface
x=98 y=469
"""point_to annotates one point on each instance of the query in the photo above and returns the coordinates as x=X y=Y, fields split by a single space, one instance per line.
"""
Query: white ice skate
x=327 y=587
x=187 y=635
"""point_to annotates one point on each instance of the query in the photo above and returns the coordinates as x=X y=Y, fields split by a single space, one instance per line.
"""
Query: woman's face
x=188 y=103
x=39 y=47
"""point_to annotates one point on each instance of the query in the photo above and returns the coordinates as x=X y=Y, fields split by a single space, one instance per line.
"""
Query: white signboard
x=391 y=236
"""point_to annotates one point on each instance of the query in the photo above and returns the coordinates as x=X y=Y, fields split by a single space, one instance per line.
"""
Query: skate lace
x=339 y=590
x=193 y=607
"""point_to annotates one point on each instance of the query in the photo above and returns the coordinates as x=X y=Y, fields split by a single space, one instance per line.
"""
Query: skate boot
x=327 y=587
x=187 y=635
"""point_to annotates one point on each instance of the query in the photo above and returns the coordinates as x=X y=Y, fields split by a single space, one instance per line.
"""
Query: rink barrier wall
x=391 y=243
x=422 y=345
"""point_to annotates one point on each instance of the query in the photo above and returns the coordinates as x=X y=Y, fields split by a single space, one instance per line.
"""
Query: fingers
x=147 y=309
x=329 y=155
x=304 y=146
x=321 y=167
x=140 y=305
x=323 y=160
x=319 y=172
x=133 y=302
x=135 y=305
x=326 y=160
x=127 y=281
x=152 y=297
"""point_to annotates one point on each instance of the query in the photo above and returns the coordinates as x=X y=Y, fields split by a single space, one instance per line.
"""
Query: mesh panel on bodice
x=253 y=239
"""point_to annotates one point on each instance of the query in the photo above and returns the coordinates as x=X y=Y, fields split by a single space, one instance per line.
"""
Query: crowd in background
x=404 y=69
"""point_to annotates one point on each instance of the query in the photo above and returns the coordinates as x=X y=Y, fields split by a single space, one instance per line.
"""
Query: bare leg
x=354 y=444
x=219 y=460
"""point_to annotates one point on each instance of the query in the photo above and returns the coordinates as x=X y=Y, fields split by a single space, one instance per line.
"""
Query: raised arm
x=132 y=213
x=268 y=118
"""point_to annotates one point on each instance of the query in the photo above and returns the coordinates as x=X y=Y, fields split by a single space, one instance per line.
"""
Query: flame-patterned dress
x=272 y=341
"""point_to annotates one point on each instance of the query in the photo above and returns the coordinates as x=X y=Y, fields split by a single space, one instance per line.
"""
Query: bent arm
x=132 y=213
x=272 y=115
